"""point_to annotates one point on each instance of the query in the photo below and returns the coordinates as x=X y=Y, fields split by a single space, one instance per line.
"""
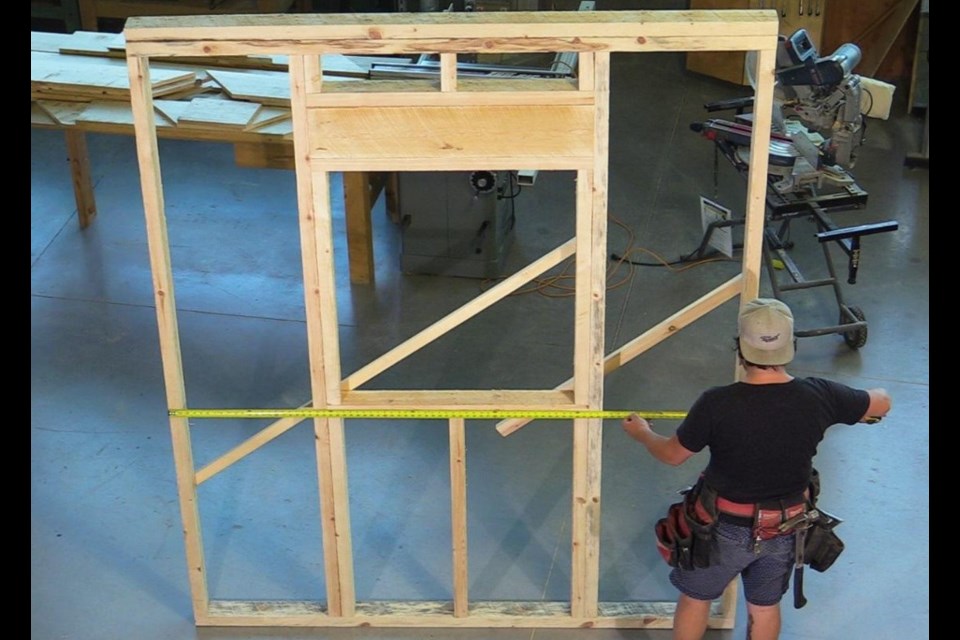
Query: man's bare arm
x=663 y=448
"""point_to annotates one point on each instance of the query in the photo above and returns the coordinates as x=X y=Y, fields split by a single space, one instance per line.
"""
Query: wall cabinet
x=885 y=30
x=729 y=65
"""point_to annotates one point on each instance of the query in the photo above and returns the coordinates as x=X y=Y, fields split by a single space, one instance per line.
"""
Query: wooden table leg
x=360 y=190
x=357 y=203
x=390 y=189
x=80 y=173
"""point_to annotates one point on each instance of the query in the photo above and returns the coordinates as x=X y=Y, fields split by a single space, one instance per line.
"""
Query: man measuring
x=762 y=433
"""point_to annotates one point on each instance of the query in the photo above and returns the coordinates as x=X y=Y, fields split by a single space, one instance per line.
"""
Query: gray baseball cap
x=766 y=332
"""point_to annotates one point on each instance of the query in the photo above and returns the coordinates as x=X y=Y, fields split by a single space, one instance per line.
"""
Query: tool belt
x=767 y=517
x=684 y=536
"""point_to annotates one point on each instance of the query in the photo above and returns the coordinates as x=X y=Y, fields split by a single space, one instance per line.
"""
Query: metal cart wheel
x=855 y=338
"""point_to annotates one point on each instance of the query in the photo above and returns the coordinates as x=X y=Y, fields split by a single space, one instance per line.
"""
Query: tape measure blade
x=492 y=414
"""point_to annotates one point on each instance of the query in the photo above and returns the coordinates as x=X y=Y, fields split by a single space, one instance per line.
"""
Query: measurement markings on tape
x=446 y=414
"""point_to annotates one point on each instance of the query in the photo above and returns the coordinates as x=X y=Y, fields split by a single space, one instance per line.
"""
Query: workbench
x=92 y=10
x=85 y=15
x=80 y=85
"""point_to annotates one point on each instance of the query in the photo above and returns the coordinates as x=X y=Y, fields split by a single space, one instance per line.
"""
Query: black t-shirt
x=763 y=437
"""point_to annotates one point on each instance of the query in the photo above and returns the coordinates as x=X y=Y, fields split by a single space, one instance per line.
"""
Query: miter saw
x=818 y=126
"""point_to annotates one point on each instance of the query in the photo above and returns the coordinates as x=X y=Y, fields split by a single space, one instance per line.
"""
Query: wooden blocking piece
x=264 y=155
x=463 y=138
x=458 y=511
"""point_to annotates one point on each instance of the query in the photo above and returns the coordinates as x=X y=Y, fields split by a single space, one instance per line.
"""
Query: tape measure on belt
x=446 y=414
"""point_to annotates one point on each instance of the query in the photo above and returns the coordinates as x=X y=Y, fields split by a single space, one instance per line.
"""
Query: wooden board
x=115 y=112
x=218 y=112
x=264 y=87
x=63 y=113
x=454 y=32
x=465 y=138
x=94 y=43
x=267 y=115
x=86 y=77
x=48 y=42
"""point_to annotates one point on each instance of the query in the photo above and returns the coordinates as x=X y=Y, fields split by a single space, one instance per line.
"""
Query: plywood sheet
x=38 y=116
x=268 y=115
x=63 y=113
x=83 y=76
x=170 y=110
x=108 y=113
x=93 y=43
x=264 y=87
x=217 y=112
x=47 y=42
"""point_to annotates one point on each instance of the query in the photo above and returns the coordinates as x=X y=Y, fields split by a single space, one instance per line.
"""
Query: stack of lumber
x=81 y=80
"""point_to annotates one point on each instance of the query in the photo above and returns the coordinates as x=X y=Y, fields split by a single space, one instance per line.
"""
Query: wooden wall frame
x=376 y=126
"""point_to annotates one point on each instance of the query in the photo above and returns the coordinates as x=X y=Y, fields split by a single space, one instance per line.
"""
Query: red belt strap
x=742 y=509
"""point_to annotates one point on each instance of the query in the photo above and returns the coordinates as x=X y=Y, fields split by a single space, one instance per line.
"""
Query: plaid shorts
x=765 y=575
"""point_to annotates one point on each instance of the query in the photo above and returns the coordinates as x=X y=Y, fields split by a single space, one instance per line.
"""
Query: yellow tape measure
x=445 y=414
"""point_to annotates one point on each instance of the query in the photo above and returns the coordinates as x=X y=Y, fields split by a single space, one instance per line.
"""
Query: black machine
x=818 y=126
x=456 y=223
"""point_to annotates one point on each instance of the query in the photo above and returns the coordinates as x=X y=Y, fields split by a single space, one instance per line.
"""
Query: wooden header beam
x=452 y=32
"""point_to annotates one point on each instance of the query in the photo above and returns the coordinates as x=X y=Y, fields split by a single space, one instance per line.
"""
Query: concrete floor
x=107 y=554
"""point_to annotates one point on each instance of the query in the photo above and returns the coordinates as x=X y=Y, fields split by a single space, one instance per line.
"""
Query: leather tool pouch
x=701 y=514
x=674 y=539
x=822 y=547
x=685 y=535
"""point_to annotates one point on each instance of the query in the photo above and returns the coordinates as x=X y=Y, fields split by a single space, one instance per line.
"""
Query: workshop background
x=107 y=553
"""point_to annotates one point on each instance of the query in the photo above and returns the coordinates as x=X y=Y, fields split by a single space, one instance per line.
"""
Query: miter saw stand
x=807 y=174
